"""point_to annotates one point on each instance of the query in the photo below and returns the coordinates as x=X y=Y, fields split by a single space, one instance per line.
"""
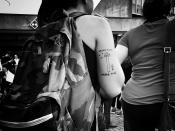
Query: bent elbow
x=112 y=86
x=111 y=90
x=115 y=92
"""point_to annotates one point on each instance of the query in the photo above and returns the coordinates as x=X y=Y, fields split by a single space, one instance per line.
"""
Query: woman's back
x=146 y=53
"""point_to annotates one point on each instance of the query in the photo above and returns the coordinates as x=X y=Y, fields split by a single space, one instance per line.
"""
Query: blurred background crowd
x=8 y=65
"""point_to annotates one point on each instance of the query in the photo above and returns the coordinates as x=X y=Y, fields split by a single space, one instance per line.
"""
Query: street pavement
x=116 y=122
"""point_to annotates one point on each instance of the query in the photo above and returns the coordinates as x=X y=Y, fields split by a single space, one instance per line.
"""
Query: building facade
x=122 y=15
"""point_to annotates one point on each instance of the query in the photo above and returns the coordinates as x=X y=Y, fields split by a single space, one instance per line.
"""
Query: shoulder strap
x=168 y=47
x=75 y=15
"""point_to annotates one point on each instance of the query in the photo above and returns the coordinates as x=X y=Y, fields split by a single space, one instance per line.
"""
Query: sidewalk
x=116 y=122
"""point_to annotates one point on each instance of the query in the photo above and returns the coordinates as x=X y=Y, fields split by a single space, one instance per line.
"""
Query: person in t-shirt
x=142 y=97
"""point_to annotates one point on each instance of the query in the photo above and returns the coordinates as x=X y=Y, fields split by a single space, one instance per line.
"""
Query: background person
x=142 y=97
x=16 y=59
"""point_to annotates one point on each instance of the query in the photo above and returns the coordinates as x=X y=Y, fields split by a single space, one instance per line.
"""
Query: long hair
x=154 y=9
x=50 y=11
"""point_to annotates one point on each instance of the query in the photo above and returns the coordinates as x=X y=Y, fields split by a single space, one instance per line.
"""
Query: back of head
x=66 y=4
x=86 y=4
x=49 y=11
x=155 y=9
x=52 y=10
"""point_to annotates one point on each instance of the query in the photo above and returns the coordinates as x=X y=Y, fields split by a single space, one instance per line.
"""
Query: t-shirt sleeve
x=124 y=40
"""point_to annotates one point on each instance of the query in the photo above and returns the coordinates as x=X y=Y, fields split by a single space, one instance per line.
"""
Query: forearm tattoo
x=105 y=55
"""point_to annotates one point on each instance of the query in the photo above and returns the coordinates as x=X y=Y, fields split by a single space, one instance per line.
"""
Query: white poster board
x=9 y=76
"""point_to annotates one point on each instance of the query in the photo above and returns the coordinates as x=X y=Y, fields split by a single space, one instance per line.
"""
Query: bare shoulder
x=94 y=30
x=96 y=22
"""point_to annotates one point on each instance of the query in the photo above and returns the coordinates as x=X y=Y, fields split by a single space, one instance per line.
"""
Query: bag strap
x=167 y=49
x=167 y=53
x=75 y=15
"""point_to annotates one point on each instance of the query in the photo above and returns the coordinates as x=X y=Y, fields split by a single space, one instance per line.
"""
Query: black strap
x=168 y=48
x=75 y=15
x=167 y=53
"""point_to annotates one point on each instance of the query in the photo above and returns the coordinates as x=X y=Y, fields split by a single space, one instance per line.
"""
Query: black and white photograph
x=87 y=65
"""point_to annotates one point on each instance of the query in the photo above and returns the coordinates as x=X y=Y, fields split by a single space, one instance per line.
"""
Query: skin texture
x=96 y=33
x=121 y=53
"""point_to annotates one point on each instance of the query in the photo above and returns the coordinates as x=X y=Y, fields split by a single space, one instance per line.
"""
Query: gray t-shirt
x=145 y=50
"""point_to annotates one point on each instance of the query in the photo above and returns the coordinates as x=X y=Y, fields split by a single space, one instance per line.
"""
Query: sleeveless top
x=92 y=65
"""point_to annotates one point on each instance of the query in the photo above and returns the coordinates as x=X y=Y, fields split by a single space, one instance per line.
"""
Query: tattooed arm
x=110 y=73
x=105 y=56
x=96 y=33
